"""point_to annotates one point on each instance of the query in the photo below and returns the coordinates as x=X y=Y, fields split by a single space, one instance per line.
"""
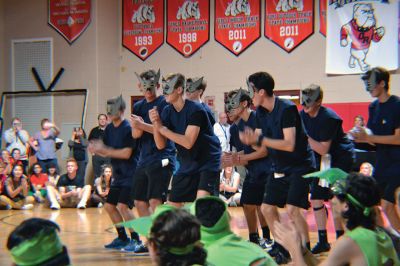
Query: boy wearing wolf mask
x=327 y=140
x=155 y=166
x=384 y=121
x=280 y=129
x=186 y=123
x=257 y=163
x=119 y=145
x=195 y=88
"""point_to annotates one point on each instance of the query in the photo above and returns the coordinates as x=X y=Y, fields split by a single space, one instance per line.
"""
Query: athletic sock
x=339 y=233
x=322 y=236
x=266 y=232
x=253 y=237
x=135 y=236
x=121 y=233
x=308 y=245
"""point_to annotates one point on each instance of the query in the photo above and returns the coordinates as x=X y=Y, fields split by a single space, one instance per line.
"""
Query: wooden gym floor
x=84 y=232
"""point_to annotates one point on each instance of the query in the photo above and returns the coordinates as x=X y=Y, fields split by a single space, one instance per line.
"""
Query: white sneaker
x=55 y=206
x=27 y=207
x=100 y=205
x=81 y=206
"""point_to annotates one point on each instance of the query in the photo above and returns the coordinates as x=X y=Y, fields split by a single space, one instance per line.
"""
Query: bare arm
x=187 y=140
x=285 y=144
x=344 y=252
x=234 y=187
x=257 y=154
x=98 y=147
x=321 y=148
x=361 y=136
x=11 y=191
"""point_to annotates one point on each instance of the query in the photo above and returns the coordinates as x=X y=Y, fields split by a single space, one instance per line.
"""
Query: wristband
x=260 y=140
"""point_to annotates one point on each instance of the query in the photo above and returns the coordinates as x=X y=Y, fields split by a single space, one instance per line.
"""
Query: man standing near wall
x=98 y=133
x=221 y=130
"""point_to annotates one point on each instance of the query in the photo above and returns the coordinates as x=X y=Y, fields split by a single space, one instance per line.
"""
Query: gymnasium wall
x=98 y=61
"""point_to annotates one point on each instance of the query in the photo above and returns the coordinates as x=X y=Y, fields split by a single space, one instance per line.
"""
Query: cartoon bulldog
x=236 y=7
x=144 y=13
x=286 y=5
x=189 y=9
x=360 y=31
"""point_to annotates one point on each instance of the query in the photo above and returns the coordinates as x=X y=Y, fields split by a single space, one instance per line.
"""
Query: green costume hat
x=222 y=245
x=331 y=175
x=38 y=249
x=143 y=225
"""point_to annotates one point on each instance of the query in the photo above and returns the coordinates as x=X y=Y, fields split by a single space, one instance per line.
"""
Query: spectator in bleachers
x=53 y=175
x=38 y=181
x=102 y=187
x=359 y=122
x=16 y=188
x=15 y=158
x=70 y=193
x=78 y=150
x=366 y=169
x=229 y=190
x=16 y=137
x=97 y=133
x=43 y=142
x=5 y=158
x=221 y=130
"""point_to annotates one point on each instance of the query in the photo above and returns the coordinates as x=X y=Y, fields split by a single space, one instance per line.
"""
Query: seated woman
x=229 y=186
x=52 y=174
x=38 y=181
x=78 y=150
x=16 y=190
x=27 y=241
x=364 y=243
x=101 y=187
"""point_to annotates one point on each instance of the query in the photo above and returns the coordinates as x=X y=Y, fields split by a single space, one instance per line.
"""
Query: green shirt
x=376 y=246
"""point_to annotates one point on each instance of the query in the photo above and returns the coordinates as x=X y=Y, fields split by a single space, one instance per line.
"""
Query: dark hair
x=52 y=165
x=380 y=74
x=13 y=150
x=44 y=120
x=209 y=212
x=28 y=229
x=100 y=115
x=176 y=229
x=361 y=118
x=32 y=170
x=365 y=190
x=263 y=81
x=148 y=74
x=15 y=166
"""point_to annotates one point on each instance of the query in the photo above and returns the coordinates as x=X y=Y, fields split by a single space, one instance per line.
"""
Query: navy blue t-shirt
x=210 y=113
x=384 y=119
x=149 y=154
x=205 y=155
x=234 y=141
x=258 y=170
x=327 y=126
x=118 y=138
x=285 y=115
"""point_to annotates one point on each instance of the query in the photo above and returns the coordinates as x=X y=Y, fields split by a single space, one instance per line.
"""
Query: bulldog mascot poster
x=361 y=35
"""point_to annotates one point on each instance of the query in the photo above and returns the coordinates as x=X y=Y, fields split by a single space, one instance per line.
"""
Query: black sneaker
x=274 y=251
x=141 y=249
x=320 y=247
x=281 y=258
x=266 y=244
x=117 y=243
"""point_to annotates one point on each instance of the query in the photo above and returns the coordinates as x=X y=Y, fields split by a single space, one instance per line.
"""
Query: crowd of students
x=275 y=144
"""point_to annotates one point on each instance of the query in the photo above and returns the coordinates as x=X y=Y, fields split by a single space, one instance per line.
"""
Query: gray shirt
x=46 y=146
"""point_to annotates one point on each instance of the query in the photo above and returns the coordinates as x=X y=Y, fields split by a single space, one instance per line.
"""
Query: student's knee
x=293 y=212
x=110 y=208
x=139 y=204
x=122 y=208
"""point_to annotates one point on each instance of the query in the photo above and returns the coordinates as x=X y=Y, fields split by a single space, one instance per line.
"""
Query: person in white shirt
x=221 y=130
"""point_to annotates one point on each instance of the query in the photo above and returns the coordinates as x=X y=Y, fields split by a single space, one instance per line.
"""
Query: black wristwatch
x=260 y=140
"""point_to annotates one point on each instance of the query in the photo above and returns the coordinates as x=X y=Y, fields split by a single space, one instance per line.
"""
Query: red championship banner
x=289 y=23
x=69 y=17
x=188 y=25
x=143 y=26
x=322 y=17
x=237 y=24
